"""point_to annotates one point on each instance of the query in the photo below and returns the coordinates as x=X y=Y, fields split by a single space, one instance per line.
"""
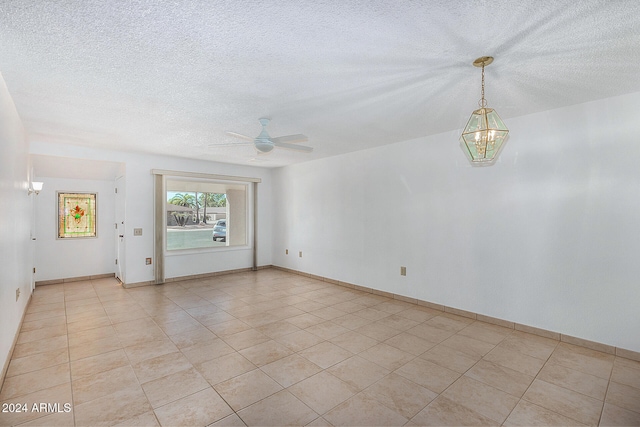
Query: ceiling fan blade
x=303 y=148
x=229 y=144
x=291 y=139
x=241 y=136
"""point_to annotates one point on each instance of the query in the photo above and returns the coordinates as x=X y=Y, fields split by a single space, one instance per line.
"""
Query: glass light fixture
x=485 y=132
x=35 y=187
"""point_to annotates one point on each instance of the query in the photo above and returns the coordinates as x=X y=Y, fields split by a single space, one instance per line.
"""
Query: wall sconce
x=35 y=187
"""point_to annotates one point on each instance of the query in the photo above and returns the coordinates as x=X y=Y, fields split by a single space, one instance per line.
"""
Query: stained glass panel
x=76 y=215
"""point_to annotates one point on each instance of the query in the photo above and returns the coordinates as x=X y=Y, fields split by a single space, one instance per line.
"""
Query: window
x=203 y=213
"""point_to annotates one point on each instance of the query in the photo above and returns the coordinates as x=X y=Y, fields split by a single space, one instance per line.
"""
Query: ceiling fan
x=265 y=143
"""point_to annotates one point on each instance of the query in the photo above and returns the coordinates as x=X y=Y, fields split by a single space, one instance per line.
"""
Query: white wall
x=547 y=237
x=15 y=226
x=66 y=258
x=139 y=210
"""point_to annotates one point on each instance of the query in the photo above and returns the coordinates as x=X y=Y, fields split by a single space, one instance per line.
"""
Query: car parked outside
x=220 y=230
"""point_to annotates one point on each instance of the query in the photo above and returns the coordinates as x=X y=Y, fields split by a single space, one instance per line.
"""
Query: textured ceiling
x=173 y=77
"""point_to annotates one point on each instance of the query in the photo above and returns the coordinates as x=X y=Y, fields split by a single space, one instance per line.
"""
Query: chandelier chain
x=483 y=102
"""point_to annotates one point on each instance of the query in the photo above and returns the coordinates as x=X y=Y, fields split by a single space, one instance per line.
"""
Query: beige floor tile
x=348 y=307
x=574 y=380
x=322 y=392
x=569 y=403
x=146 y=419
x=43 y=323
x=372 y=313
x=278 y=329
x=626 y=372
x=177 y=327
x=228 y=327
x=470 y=346
x=481 y=398
x=377 y=332
x=397 y=322
x=430 y=333
x=160 y=366
x=387 y=356
x=303 y=321
x=351 y=321
x=225 y=367
x=99 y=363
x=450 y=323
x=319 y=422
x=583 y=360
x=401 y=395
x=102 y=384
x=446 y=412
x=246 y=389
x=410 y=343
x=60 y=394
x=245 y=339
x=361 y=410
x=500 y=377
x=487 y=332
x=199 y=409
x=353 y=341
x=83 y=325
x=531 y=345
x=358 y=372
x=122 y=405
x=613 y=415
x=623 y=396
x=229 y=421
x=62 y=419
x=325 y=354
x=34 y=381
x=42 y=333
x=150 y=349
x=450 y=358
x=291 y=369
x=527 y=414
x=266 y=352
x=192 y=337
x=44 y=314
x=327 y=330
x=40 y=346
x=515 y=360
x=328 y=313
x=279 y=409
x=427 y=374
x=37 y=361
x=299 y=340
x=202 y=353
x=174 y=386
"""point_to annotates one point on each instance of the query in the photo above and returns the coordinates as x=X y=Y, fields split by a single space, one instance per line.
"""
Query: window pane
x=205 y=214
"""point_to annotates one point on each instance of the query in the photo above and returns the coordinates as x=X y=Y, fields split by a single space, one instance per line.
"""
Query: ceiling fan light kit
x=485 y=132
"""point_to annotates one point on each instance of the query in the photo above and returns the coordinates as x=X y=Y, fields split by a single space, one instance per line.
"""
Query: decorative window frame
x=86 y=215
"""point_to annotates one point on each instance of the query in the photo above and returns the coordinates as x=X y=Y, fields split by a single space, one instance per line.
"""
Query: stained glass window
x=76 y=215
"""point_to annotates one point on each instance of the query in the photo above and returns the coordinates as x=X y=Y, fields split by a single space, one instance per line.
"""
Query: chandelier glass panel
x=485 y=133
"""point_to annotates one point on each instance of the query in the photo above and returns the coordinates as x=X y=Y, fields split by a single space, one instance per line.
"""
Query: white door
x=120 y=228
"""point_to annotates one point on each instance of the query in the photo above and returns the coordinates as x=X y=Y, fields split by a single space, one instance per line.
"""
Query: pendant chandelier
x=485 y=132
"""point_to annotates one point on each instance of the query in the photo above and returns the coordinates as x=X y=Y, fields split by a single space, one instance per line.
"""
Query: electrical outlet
x=147 y=261
x=137 y=231
x=403 y=271
x=300 y=254
x=17 y=294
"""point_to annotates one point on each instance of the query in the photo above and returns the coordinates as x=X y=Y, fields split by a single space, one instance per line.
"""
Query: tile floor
x=274 y=348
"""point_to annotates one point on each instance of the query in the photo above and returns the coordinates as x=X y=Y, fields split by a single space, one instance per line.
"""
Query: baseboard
x=194 y=276
x=5 y=368
x=558 y=336
x=73 y=279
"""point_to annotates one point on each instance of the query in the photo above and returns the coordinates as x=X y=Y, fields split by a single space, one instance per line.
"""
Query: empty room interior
x=320 y=213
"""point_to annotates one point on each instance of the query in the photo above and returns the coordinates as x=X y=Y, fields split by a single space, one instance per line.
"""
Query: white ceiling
x=172 y=77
